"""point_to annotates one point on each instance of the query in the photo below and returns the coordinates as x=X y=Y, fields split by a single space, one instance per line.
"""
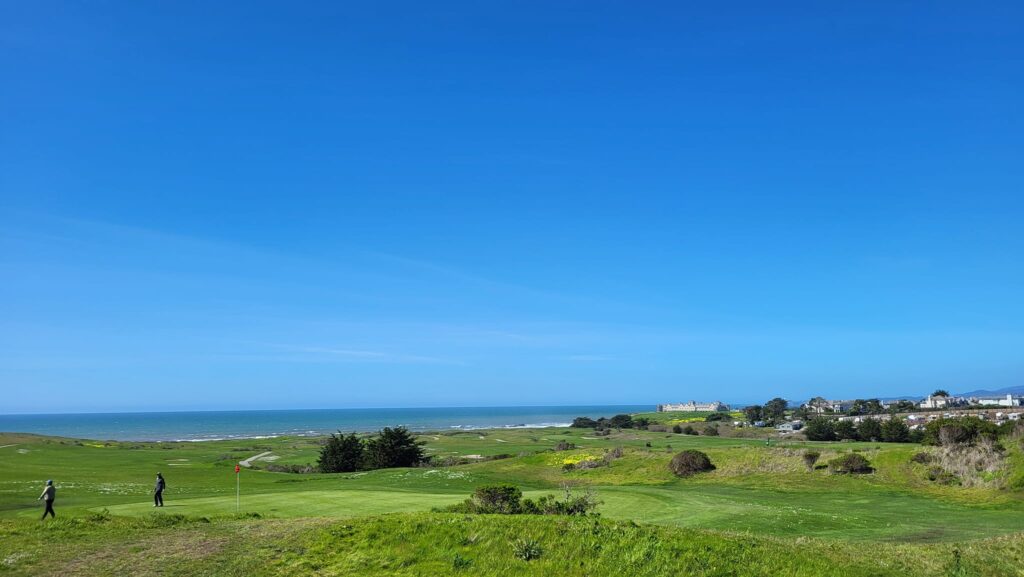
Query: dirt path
x=248 y=462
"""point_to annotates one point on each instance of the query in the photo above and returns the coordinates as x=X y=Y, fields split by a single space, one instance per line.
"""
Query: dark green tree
x=869 y=430
x=584 y=423
x=845 y=431
x=753 y=413
x=895 y=431
x=393 y=448
x=775 y=410
x=341 y=454
x=940 y=393
x=819 y=429
x=621 y=422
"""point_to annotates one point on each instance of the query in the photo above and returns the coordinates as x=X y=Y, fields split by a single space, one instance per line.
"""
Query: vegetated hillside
x=754 y=487
x=479 y=545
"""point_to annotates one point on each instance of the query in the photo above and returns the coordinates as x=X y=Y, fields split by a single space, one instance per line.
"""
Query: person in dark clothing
x=158 y=491
x=49 y=493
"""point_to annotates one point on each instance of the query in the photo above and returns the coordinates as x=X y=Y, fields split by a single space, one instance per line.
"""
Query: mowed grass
x=756 y=488
x=483 y=546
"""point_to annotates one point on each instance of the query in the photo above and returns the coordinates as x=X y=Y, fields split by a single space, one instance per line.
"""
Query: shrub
x=959 y=431
x=851 y=463
x=583 y=423
x=689 y=430
x=564 y=446
x=811 y=459
x=718 y=417
x=527 y=549
x=508 y=500
x=711 y=431
x=923 y=458
x=690 y=462
x=677 y=429
x=459 y=562
x=938 y=475
x=615 y=453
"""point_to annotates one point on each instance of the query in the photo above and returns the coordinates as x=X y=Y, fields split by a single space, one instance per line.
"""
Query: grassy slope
x=441 y=544
x=755 y=488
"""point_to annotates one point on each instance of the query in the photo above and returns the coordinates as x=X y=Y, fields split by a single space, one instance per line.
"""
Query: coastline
x=267 y=424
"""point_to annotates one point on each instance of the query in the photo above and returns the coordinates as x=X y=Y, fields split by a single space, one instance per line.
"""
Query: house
x=819 y=405
x=693 y=406
x=790 y=426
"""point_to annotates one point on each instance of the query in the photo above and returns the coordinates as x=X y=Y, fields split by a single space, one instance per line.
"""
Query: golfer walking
x=49 y=493
x=158 y=491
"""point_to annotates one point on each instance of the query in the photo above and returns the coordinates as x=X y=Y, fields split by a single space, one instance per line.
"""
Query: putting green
x=338 y=503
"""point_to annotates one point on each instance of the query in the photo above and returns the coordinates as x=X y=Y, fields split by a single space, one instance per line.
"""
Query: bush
x=711 y=431
x=677 y=429
x=690 y=462
x=584 y=423
x=811 y=459
x=615 y=453
x=459 y=562
x=959 y=431
x=508 y=500
x=942 y=477
x=564 y=446
x=851 y=463
x=689 y=430
x=923 y=458
x=718 y=417
x=527 y=549
x=495 y=499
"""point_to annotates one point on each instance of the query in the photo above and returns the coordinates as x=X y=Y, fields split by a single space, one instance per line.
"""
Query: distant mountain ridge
x=1019 y=390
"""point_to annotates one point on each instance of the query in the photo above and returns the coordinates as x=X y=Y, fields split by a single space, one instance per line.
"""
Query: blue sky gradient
x=252 y=205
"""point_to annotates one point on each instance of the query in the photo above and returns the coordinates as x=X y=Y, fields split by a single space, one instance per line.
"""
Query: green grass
x=482 y=546
x=756 y=490
x=674 y=417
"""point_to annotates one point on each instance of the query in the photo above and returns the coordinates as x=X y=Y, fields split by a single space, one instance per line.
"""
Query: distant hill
x=996 y=393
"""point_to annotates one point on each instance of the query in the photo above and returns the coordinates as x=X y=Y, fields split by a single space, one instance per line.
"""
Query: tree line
x=873 y=430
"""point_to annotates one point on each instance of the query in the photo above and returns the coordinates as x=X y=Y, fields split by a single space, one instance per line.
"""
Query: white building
x=933 y=402
x=692 y=406
x=1007 y=401
x=819 y=406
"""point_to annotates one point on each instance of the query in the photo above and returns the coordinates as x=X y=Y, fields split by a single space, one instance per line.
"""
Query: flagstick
x=238 y=490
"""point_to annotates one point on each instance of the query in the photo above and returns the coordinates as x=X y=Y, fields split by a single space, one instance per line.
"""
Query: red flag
x=237 y=469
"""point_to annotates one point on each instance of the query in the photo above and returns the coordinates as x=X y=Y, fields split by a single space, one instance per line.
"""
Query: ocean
x=219 y=425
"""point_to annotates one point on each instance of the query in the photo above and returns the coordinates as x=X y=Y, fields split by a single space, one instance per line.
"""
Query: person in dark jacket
x=158 y=491
x=49 y=493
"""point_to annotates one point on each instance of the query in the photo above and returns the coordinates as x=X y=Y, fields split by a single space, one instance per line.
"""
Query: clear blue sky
x=252 y=205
